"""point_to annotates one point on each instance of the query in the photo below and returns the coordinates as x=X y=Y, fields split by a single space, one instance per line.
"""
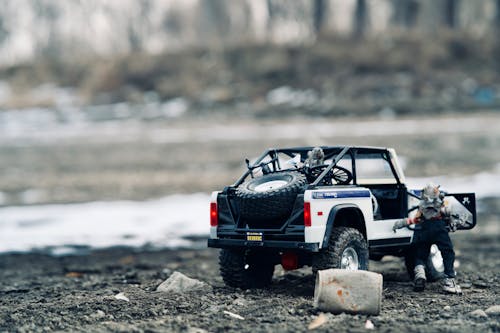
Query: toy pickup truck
x=333 y=210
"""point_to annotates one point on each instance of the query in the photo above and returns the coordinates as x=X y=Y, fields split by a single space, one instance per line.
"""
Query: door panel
x=463 y=209
x=382 y=229
x=462 y=206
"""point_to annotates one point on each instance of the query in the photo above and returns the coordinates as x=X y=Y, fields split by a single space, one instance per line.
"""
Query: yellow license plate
x=254 y=236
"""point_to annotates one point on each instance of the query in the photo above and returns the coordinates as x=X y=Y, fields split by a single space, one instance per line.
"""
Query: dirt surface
x=39 y=292
x=46 y=293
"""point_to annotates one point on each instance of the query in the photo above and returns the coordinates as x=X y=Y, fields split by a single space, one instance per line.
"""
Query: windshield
x=372 y=168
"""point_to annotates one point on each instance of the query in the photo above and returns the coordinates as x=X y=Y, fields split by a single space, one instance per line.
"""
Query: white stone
x=122 y=297
x=234 y=315
x=99 y=314
x=369 y=325
x=196 y=330
x=180 y=283
x=478 y=314
x=318 y=321
x=493 y=310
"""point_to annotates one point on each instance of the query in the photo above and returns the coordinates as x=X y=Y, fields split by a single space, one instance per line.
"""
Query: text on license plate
x=254 y=236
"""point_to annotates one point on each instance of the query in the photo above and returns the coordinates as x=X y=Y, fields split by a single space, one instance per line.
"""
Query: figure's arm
x=445 y=212
x=408 y=221
x=416 y=219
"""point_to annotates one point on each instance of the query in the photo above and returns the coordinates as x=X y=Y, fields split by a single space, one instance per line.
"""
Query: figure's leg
x=445 y=245
x=421 y=254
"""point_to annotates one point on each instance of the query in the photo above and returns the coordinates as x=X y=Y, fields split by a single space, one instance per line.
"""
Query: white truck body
x=378 y=182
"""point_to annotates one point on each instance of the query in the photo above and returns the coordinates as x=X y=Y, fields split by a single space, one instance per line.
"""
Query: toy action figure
x=315 y=157
x=433 y=220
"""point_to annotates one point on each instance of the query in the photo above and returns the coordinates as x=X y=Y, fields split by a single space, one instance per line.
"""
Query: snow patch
x=164 y=222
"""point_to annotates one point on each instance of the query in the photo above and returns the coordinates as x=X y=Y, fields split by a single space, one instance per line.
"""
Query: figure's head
x=317 y=153
x=431 y=201
x=316 y=156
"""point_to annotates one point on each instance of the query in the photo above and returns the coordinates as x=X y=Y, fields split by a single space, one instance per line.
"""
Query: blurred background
x=117 y=118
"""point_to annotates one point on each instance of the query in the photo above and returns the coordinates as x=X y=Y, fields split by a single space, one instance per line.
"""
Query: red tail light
x=214 y=216
x=307 y=214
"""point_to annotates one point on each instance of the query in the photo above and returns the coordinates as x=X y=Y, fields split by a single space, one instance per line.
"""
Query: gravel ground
x=76 y=293
x=39 y=292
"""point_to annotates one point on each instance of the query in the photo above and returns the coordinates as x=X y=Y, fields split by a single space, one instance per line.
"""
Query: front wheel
x=245 y=269
x=347 y=249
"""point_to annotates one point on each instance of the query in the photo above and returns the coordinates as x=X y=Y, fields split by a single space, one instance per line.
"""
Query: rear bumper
x=224 y=243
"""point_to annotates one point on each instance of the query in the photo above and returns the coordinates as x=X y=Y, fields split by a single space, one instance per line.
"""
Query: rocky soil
x=78 y=293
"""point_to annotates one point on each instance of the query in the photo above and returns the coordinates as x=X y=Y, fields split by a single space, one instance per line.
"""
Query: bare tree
x=405 y=12
x=497 y=16
x=450 y=8
x=360 y=18
x=318 y=15
x=215 y=20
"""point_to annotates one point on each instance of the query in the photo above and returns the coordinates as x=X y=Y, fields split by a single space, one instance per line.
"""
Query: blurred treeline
x=71 y=28
x=323 y=56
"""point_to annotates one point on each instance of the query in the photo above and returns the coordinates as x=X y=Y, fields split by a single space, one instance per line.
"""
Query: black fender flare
x=330 y=223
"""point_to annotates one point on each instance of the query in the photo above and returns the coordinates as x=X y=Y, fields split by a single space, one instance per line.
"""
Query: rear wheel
x=347 y=249
x=245 y=269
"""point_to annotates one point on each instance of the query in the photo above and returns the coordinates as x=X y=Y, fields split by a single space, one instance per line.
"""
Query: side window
x=346 y=162
x=373 y=169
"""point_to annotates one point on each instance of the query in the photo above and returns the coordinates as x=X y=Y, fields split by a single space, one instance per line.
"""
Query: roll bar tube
x=245 y=175
x=330 y=167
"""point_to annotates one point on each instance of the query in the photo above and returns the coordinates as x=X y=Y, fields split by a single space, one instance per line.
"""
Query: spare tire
x=267 y=201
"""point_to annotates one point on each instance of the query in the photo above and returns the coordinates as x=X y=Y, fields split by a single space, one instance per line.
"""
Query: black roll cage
x=330 y=151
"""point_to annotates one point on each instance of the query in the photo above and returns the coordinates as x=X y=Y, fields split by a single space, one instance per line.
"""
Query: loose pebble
x=317 y=322
x=122 y=297
x=493 y=310
x=369 y=325
x=478 y=314
x=180 y=283
x=234 y=315
x=481 y=284
x=99 y=314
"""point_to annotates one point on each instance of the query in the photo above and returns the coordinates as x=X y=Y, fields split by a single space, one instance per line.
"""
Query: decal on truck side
x=341 y=194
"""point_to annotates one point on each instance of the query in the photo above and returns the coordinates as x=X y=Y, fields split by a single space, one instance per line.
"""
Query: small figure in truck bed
x=433 y=219
x=315 y=157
